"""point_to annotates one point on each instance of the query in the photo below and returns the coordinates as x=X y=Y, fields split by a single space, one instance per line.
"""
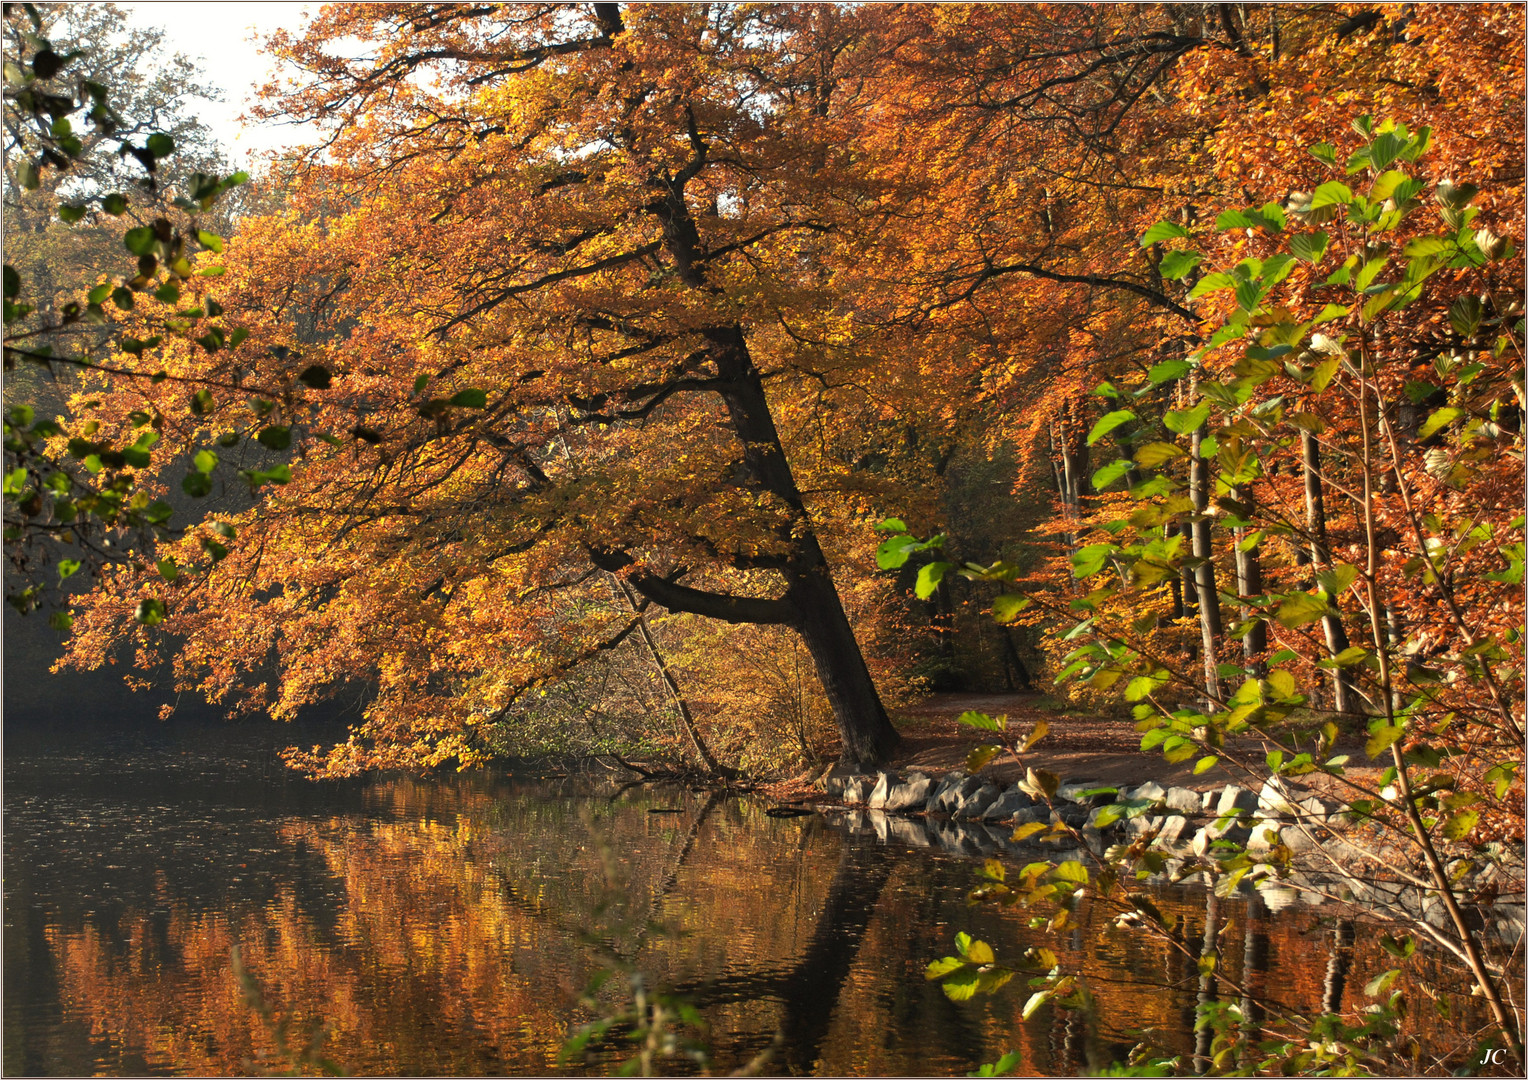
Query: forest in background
x=704 y=382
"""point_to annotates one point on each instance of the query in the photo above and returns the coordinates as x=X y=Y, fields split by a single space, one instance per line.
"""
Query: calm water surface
x=450 y=926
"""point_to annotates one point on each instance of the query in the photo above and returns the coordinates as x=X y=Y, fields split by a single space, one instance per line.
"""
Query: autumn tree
x=559 y=289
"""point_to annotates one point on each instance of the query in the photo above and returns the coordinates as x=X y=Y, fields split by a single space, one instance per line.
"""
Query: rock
x=1035 y=812
x=854 y=791
x=1136 y=826
x=975 y=804
x=1318 y=809
x=1151 y=791
x=911 y=795
x=1173 y=828
x=1276 y=800
x=1183 y=800
x=1007 y=805
x=1204 y=839
x=953 y=790
x=1235 y=798
x=1073 y=814
x=1208 y=800
x=882 y=789
x=1072 y=791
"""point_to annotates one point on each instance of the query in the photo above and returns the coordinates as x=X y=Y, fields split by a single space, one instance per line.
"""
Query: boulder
x=1035 y=812
x=1235 y=798
x=854 y=791
x=1073 y=814
x=1007 y=805
x=1151 y=791
x=953 y=790
x=1072 y=791
x=1183 y=800
x=1276 y=800
x=909 y=795
x=975 y=804
x=882 y=789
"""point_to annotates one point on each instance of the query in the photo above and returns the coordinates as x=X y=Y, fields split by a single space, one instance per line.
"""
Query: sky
x=230 y=30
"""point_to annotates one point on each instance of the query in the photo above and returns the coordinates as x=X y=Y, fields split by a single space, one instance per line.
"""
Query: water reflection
x=445 y=927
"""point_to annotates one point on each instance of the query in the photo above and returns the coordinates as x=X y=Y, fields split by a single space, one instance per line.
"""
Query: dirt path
x=1078 y=747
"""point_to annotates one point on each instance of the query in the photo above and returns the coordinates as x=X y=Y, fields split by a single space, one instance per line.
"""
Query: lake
x=450 y=925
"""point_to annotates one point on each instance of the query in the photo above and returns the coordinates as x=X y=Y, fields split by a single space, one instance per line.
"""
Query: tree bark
x=1204 y=573
x=1249 y=582
x=1344 y=695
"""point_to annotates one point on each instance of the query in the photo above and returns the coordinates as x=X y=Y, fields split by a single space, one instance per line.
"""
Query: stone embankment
x=1334 y=857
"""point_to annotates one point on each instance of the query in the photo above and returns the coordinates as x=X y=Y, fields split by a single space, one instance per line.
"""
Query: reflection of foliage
x=659 y=1024
x=298 y=1060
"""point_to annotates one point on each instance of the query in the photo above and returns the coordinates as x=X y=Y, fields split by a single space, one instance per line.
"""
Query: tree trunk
x=867 y=735
x=1204 y=573
x=1345 y=697
x=686 y=717
x=1249 y=582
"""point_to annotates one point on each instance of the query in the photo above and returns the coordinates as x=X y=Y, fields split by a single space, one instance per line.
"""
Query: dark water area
x=449 y=926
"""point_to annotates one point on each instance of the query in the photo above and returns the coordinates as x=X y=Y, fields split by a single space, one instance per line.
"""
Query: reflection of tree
x=445 y=931
x=809 y=988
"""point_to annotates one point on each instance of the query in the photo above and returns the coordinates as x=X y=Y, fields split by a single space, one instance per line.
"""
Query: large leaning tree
x=523 y=336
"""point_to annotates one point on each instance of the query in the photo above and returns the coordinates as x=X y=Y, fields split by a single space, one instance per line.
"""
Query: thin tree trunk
x=1344 y=695
x=1249 y=582
x=686 y=717
x=1204 y=573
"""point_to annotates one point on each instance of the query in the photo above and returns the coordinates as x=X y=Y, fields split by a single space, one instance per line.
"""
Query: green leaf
x=942 y=967
x=275 y=438
x=1377 y=986
x=1324 y=152
x=1458 y=827
x=1323 y=374
x=205 y=461
x=1298 y=609
x=1442 y=418
x=469 y=399
x=1028 y=829
x=114 y=204
x=160 y=145
x=1072 y=871
x=1205 y=764
x=1177 y=264
x=892 y=525
x=979 y=756
x=1001 y=1067
x=1331 y=193
x=982 y=721
x=1308 y=247
x=1336 y=581
x=1162 y=230
x=197 y=485
x=1465 y=315
x=1212 y=283
x=1108 y=422
x=1185 y=421
x=317 y=376
x=1154 y=454
x=929 y=578
x=211 y=241
x=1006 y=607
x=1089 y=560
x=895 y=551
x=1168 y=370
x=1143 y=686
x=70 y=214
x=149 y=612
x=139 y=241
x=1381 y=736
x=167 y=568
